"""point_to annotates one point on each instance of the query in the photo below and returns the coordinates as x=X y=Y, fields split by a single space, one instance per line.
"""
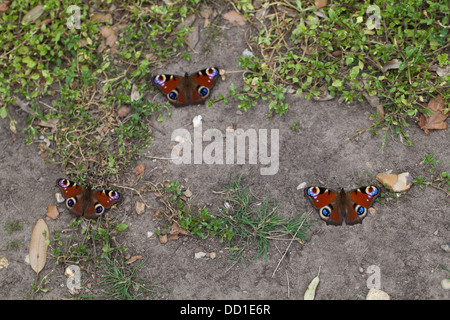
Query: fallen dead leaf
x=38 y=246
x=3 y=7
x=52 y=212
x=139 y=169
x=393 y=64
x=437 y=119
x=163 y=239
x=123 y=111
x=52 y=124
x=235 y=18
x=135 y=94
x=34 y=13
x=320 y=3
x=176 y=229
x=110 y=37
x=140 y=207
x=133 y=259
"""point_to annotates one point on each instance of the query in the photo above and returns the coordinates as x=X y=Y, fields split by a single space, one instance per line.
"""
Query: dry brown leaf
x=235 y=18
x=393 y=64
x=133 y=259
x=110 y=36
x=135 y=94
x=139 y=169
x=52 y=124
x=3 y=7
x=320 y=3
x=140 y=207
x=123 y=111
x=38 y=246
x=176 y=229
x=163 y=239
x=34 y=13
x=52 y=212
x=437 y=119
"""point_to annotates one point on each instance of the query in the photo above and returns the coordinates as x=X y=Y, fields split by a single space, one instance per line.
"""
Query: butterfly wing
x=359 y=200
x=73 y=194
x=203 y=80
x=100 y=201
x=326 y=201
x=171 y=86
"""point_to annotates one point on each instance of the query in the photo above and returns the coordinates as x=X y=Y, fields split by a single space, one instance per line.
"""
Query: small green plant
x=13 y=226
x=295 y=126
x=123 y=282
x=437 y=179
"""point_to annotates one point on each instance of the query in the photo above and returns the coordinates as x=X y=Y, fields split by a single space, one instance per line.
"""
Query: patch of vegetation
x=123 y=282
x=333 y=52
x=244 y=220
x=92 y=241
x=75 y=90
x=437 y=179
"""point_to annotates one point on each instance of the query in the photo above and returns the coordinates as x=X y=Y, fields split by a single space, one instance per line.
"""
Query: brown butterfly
x=334 y=206
x=84 y=201
x=190 y=89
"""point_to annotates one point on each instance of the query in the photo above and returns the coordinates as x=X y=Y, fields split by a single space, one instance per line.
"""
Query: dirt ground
x=403 y=238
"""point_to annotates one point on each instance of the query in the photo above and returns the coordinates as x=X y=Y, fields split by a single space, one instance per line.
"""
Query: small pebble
x=445 y=284
x=375 y=294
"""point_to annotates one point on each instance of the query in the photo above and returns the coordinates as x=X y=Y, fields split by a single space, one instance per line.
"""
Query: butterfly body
x=187 y=89
x=336 y=207
x=85 y=201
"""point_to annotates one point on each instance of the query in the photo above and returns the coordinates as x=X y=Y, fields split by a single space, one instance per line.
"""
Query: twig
x=285 y=251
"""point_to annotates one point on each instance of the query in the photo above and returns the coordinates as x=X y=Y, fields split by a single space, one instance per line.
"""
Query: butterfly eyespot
x=173 y=95
x=99 y=208
x=373 y=191
x=313 y=191
x=326 y=211
x=159 y=79
x=71 y=202
x=212 y=72
x=114 y=195
x=203 y=91
x=360 y=210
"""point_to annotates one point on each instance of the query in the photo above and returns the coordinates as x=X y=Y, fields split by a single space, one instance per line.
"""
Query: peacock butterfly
x=335 y=206
x=190 y=89
x=85 y=201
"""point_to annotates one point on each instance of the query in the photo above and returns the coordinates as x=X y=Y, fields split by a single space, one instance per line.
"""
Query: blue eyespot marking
x=203 y=91
x=70 y=203
x=159 y=79
x=326 y=212
x=99 y=209
x=212 y=72
x=173 y=95
x=361 y=210
x=373 y=191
